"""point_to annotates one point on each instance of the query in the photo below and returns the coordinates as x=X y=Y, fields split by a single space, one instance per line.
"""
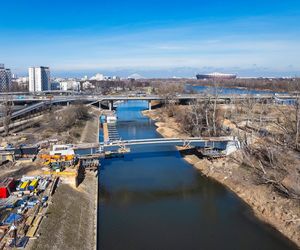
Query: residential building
x=70 y=85
x=21 y=80
x=88 y=85
x=39 y=79
x=5 y=79
x=55 y=85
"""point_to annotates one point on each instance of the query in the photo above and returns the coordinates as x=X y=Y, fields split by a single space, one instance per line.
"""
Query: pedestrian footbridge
x=226 y=145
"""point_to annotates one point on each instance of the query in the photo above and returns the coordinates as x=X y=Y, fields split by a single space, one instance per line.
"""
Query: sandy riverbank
x=281 y=213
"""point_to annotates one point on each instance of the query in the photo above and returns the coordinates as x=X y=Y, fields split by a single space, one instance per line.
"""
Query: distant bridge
x=37 y=103
x=97 y=98
x=35 y=107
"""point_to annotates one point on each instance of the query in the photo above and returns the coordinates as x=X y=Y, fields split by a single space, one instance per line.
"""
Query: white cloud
x=241 y=43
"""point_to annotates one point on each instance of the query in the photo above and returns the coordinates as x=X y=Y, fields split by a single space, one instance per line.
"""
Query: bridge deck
x=97 y=98
x=215 y=143
x=42 y=101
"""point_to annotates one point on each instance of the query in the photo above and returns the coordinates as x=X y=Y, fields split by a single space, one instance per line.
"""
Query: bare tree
x=202 y=118
x=7 y=107
x=170 y=90
x=65 y=119
x=289 y=124
x=270 y=166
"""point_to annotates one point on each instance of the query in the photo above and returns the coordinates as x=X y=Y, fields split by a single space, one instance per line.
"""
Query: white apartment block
x=39 y=79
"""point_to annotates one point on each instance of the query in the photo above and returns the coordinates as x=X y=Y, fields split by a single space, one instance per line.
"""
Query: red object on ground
x=6 y=187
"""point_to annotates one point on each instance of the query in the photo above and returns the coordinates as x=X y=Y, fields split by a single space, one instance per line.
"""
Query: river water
x=228 y=91
x=238 y=91
x=152 y=199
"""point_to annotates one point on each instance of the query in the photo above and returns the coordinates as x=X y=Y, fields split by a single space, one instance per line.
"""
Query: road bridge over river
x=95 y=98
x=34 y=103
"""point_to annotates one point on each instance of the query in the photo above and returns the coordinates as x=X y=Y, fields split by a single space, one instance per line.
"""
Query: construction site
x=39 y=171
x=24 y=201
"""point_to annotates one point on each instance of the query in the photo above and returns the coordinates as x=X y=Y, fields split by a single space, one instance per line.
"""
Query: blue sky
x=153 y=38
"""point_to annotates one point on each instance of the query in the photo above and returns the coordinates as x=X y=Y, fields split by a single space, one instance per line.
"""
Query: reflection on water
x=152 y=199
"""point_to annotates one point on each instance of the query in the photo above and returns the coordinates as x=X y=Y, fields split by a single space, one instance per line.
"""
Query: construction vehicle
x=58 y=163
x=67 y=160
x=53 y=158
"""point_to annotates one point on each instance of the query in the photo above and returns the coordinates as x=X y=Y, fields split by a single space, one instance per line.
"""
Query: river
x=152 y=199
x=229 y=91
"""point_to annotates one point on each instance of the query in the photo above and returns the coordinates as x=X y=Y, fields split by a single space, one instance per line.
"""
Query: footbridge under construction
x=224 y=145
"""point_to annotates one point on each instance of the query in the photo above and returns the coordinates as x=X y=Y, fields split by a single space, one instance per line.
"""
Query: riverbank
x=90 y=132
x=70 y=221
x=281 y=213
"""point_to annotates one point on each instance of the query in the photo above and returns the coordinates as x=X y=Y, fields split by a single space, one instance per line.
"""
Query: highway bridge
x=34 y=107
x=35 y=103
x=96 y=98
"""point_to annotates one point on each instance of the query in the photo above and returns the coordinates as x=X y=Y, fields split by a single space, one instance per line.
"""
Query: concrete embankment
x=281 y=213
x=90 y=133
x=70 y=219
x=96 y=215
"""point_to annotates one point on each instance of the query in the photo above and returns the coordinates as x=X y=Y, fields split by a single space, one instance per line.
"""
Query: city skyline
x=152 y=38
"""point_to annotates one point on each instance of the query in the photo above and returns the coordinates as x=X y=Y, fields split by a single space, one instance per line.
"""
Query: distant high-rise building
x=5 y=79
x=39 y=79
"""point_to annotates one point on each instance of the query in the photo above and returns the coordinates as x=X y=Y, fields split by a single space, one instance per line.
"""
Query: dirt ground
x=70 y=218
x=39 y=130
x=280 y=212
x=17 y=171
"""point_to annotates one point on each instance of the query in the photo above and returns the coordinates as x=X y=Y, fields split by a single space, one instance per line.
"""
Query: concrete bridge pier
x=99 y=105
x=110 y=105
